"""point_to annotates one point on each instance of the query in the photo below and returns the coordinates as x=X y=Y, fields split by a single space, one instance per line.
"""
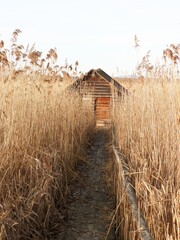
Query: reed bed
x=147 y=124
x=43 y=130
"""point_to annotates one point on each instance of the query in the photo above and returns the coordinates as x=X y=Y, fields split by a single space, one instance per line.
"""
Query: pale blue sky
x=97 y=33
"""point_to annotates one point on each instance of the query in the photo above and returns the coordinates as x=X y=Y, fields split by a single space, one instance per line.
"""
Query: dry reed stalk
x=42 y=132
x=148 y=132
x=29 y=60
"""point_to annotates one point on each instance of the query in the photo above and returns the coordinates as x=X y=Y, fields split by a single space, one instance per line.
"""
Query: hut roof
x=103 y=75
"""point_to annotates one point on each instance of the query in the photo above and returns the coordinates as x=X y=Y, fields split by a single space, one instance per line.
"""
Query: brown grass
x=148 y=131
x=30 y=60
x=42 y=132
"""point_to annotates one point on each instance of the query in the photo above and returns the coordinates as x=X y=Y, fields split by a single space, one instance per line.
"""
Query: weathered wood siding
x=100 y=87
x=102 y=111
x=100 y=90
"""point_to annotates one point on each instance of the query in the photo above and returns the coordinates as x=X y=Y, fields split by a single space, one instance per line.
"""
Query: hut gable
x=100 y=87
x=98 y=83
x=95 y=85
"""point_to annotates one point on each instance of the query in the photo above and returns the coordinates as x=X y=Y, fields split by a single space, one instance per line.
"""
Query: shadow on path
x=91 y=203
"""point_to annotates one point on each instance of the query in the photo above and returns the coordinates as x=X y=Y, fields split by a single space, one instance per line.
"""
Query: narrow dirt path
x=91 y=203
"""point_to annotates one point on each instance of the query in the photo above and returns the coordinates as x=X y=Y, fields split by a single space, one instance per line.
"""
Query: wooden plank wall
x=100 y=90
x=98 y=87
x=102 y=111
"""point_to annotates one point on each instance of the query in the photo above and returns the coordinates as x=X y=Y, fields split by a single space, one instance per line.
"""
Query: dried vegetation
x=148 y=131
x=43 y=129
x=19 y=59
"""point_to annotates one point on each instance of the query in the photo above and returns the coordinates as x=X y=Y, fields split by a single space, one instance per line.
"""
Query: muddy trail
x=91 y=203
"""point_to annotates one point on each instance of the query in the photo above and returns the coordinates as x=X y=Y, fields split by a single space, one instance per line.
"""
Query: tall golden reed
x=148 y=131
x=42 y=133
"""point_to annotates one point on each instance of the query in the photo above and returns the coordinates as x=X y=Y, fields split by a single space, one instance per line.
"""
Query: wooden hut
x=99 y=86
